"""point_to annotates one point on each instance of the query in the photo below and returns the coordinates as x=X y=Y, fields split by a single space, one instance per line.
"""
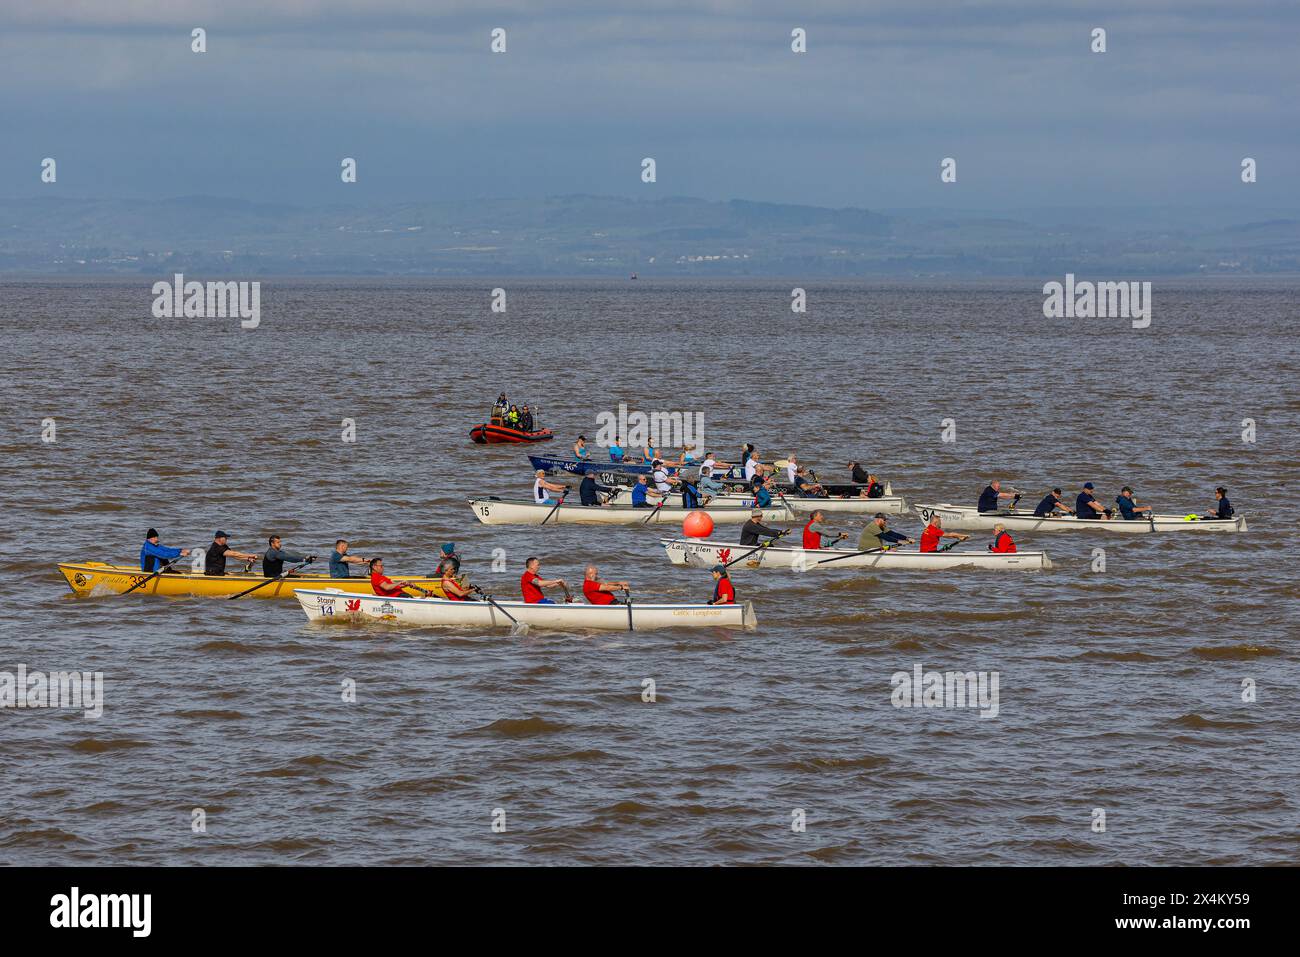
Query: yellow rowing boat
x=99 y=578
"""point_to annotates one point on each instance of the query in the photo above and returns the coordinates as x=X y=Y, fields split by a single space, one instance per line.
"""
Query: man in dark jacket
x=754 y=529
x=590 y=491
x=275 y=557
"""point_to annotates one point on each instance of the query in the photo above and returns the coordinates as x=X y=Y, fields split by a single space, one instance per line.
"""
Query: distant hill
x=610 y=236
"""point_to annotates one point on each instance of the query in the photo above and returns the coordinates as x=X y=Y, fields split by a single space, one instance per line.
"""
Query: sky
x=711 y=90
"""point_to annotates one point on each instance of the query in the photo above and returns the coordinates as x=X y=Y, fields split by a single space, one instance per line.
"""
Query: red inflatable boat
x=487 y=434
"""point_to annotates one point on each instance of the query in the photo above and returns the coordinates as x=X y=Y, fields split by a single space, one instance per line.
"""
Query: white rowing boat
x=798 y=505
x=969 y=518
x=701 y=552
x=495 y=511
x=330 y=604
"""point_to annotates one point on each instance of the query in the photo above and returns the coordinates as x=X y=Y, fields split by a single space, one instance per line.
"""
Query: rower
x=723 y=591
x=214 y=562
x=1129 y=509
x=1086 y=505
x=752 y=465
x=791 y=469
x=876 y=537
x=455 y=586
x=649 y=453
x=989 y=497
x=807 y=488
x=712 y=464
x=662 y=483
x=639 y=492
x=688 y=455
x=690 y=491
x=1001 y=540
x=762 y=495
x=274 y=558
x=709 y=486
x=381 y=584
x=754 y=529
x=340 y=560
x=873 y=487
x=1051 y=505
x=542 y=489
x=153 y=556
x=531 y=584
x=934 y=531
x=598 y=592
x=580 y=449
x=860 y=475
x=448 y=557
x=1225 y=509
x=616 y=452
x=815 y=531
x=589 y=491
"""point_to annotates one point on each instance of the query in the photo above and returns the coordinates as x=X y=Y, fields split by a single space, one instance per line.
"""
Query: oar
x=161 y=568
x=760 y=547
x=628 y=592
x=518 y=629
x=789 y=510
x=556 y=508
x=269 y=581
x=654 y=511
x=869 y=551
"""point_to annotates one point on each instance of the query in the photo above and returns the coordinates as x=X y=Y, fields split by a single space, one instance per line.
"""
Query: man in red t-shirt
x=598 y=592
x=1001 y=540
x=383 y=586
x=531 y=584
x=934 y=531
x=723 y=592
x=815 y=530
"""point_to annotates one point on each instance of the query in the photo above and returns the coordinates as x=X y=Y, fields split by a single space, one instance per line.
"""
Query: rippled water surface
x=1120 y=690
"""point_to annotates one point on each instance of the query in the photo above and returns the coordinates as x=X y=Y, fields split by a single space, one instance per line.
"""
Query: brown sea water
x=1119 y=690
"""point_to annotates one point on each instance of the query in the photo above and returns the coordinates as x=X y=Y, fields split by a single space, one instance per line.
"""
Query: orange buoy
x=697 y=525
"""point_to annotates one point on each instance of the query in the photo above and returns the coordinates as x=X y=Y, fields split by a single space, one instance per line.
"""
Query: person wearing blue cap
x=1087 y=506
x=723 y=591
x=448 y=557
x=214 y=561
x=1129 y=509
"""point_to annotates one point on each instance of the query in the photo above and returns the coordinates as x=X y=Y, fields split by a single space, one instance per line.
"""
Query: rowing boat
x=970 y=518
x=704 y=553
x=98 y=578
x=608 y=472
x=491 y=434
x=329 y=604
x=496 y=511
x=798 y=504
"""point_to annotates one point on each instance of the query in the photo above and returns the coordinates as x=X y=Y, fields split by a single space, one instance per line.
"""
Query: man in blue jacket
x=153 y=555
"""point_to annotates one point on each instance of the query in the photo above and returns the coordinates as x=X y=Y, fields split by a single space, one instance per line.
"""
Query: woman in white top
x=751 y=465
x=791 y=469
x=543 y=488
